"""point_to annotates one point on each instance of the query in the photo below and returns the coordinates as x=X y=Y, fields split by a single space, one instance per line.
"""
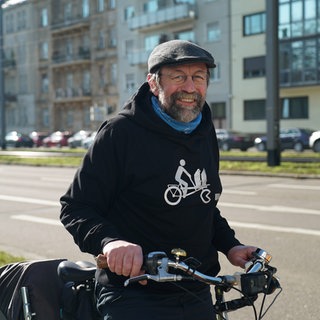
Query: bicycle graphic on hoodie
x=187 y=185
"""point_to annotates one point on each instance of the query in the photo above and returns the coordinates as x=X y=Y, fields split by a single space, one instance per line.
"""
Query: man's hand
x=240 y=255
x=124 y=258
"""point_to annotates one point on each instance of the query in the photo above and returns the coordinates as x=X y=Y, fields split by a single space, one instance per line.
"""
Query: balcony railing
x=83 y=54
x=71 y=93
x=177 y=13
x=138 y=57
x=69 y=22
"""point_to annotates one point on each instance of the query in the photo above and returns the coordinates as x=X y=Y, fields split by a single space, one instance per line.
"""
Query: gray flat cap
x=178 y=52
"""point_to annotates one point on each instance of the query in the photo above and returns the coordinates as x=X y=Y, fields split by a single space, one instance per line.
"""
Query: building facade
x=70 y=64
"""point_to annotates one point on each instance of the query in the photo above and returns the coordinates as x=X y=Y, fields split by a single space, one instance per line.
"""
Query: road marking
x=233 y=224
x=270 y=208
x=294 y=186
x=37 y=219
x=245 y=193
x=264 y=227
x=29 y=200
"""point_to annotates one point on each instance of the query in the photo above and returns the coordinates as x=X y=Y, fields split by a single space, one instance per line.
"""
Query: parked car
x=314 y=141
x=17 y=140
x=231 y=139
x=291 y=138
x=57 y=139
x=37 y=138
x=77 y=139
x=86 y=143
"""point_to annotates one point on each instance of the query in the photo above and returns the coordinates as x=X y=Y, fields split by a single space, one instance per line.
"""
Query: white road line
x=270 y=208
x=245 y=193
x=37 y=219
x=294 y=186
x=29 y=200
x=264 y=227
x=233 y=224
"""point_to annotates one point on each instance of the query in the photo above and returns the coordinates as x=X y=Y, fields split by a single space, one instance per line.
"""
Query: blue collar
x=186 y=127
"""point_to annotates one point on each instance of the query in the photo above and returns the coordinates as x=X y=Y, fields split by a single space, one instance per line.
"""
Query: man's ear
x=153 y=84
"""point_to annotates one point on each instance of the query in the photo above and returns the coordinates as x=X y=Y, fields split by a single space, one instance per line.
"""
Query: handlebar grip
x=101 y=261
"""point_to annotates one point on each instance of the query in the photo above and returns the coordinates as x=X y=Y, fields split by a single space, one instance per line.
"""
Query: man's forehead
x=194 y=67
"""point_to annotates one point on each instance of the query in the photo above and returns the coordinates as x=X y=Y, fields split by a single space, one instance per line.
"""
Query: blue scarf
x=186 y=127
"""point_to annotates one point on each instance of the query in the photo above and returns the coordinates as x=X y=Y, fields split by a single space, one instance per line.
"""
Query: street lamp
x=2 y=100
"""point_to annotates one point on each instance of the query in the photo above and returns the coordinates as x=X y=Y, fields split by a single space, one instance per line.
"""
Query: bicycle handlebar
x=159 y=265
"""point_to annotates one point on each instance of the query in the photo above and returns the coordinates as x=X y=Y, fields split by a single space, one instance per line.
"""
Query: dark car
x=291 y=138
x=57 y=139
x=37 y=138
x=17 y=140
x=231 y=139
x=77 y=139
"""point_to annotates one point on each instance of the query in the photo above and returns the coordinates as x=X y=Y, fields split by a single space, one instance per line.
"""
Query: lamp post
x=272 y=73
x=2 y=100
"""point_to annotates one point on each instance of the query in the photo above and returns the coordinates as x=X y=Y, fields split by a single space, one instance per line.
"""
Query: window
x=213 y=32
x=215 y=74
x=114 y=74
x=111 y=4
x=151 y=41
x=101 y=40
x=67 y=11
x=218 y=110
x=254 y=67
x=294 y=108
x=298 y=18
x=44 y=83
x=100 y=5
x=130 y=84
x=254 y=24
x=44 y=50
x=185 y=35
x=129 y=12
x=86 y=82
x=44 y=17
x=112 y=38
x=21 y=20
x=299 y=61
x=255 y=109
x=85 y=8
x=102 y=76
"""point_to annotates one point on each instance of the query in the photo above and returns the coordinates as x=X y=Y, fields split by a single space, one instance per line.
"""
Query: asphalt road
x=281 y=215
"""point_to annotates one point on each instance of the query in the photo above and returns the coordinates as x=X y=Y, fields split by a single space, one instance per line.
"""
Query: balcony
x=62 y=59
x=178 y=13
x=72 y=94
x=69 y=24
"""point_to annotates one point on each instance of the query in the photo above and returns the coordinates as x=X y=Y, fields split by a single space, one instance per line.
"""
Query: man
x=117 y=204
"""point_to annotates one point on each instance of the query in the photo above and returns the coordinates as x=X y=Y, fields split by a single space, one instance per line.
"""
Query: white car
x=314 y=141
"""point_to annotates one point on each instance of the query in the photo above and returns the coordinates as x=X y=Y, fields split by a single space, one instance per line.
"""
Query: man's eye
x=178 y=78
x=199 y=77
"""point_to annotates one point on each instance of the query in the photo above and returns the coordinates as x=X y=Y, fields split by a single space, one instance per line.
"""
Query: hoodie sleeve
x=86 y=204
x=224 y=237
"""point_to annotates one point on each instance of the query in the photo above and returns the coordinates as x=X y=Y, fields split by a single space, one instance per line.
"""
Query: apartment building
x=299 y=60
x=70 y=64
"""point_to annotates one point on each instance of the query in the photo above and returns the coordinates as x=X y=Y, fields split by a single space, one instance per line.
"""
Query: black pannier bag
x=44 y=289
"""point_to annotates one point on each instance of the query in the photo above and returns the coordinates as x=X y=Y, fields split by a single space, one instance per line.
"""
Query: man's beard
x=180 y=113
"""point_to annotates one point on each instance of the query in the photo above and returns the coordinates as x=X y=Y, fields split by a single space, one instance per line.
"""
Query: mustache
x=185 y=95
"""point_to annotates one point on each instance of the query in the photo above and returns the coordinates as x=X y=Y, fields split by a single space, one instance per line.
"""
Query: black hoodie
x=128 y=188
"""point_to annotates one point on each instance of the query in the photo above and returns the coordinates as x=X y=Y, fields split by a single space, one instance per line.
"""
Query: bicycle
x=258 y=278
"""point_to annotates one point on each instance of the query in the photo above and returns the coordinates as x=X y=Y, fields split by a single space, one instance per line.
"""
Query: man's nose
x=189 y=85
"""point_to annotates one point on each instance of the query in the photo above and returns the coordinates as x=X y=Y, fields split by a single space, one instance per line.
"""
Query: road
x=281 y=215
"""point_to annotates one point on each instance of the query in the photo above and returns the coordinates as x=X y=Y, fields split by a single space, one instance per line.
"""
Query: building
x=299 y=60
x=70 y=64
